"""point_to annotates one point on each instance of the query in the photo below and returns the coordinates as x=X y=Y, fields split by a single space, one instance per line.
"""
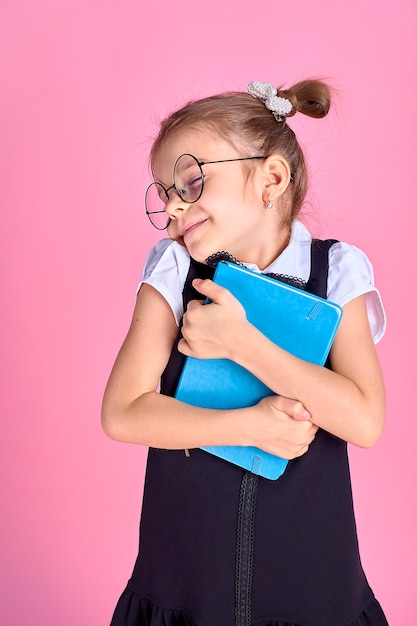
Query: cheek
x=173 y=234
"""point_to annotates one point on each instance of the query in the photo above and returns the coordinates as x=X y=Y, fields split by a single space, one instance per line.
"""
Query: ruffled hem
x=134 y=609
x=373 y=615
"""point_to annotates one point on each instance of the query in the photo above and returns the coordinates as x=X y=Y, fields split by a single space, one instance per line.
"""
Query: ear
x=276 y=176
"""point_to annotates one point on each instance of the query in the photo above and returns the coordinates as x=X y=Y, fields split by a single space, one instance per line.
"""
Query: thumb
x=293 y=408
x=300 y=413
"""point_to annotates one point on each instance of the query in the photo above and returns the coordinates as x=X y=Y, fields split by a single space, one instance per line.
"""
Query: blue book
x=298 y=321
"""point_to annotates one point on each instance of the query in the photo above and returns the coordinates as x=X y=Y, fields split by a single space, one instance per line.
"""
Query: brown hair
x=250 y=127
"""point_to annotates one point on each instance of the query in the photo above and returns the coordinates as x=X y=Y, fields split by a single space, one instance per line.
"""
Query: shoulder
x=351 y=275
x=166 y=267
x=165 y=255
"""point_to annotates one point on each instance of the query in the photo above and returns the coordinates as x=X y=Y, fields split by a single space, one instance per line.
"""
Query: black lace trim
x=289 y=280
x=244 y=548
x=215 y=258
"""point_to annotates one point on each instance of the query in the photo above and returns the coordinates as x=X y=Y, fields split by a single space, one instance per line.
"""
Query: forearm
x=160 y=421
x=335 y=402
x=132 y=411
x=347 y=401
x=276 y=424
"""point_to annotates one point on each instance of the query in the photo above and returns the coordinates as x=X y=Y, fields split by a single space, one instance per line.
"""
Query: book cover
x=297 y=321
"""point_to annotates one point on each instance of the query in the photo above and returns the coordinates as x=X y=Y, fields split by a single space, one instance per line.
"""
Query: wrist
x=243 y=341
x=244 y=426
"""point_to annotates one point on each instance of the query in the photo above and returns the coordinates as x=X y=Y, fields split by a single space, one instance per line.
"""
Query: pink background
x=82 y=85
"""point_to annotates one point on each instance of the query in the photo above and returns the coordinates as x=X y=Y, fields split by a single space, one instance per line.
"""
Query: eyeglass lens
x=188 y=183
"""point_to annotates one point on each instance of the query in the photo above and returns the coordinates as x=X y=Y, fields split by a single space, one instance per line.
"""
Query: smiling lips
x=192 y=226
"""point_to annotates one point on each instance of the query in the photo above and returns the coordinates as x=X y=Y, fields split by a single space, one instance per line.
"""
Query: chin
x=198 y=252
x=177 y=239
x=197 y=257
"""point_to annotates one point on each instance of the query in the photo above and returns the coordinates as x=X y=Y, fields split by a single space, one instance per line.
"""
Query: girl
x=218 y=545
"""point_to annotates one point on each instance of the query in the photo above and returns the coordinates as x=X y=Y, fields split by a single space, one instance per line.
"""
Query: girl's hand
x=280 y=426
x=210 y=331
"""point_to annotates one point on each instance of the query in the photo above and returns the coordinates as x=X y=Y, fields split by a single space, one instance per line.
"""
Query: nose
x=176 y=206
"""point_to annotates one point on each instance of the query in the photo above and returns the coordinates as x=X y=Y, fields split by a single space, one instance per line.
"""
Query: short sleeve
x=165 y=269
x=351 y=275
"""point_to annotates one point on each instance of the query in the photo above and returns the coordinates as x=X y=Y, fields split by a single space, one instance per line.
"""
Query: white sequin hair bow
x=279 y=107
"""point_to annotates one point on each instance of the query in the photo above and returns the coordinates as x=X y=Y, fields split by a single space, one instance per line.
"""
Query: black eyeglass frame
x=178 y=191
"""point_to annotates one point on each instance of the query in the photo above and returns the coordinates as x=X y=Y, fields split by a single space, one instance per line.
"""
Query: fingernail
x=306 y=415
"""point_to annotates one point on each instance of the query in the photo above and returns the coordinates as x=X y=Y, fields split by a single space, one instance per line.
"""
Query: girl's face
x=230 y=215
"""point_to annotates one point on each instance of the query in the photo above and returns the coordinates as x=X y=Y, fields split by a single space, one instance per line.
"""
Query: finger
x=306 y=445
x=211 y=290
x=184 y=347
x=194 y=304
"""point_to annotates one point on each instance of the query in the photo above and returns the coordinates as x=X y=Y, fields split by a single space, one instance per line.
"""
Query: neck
x=262 y=259
x=268 y=254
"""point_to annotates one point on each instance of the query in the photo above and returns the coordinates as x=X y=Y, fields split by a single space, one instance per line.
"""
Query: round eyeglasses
x=188 y=183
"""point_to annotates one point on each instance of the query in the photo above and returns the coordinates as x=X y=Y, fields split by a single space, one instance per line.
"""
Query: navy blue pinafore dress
x=220 y=546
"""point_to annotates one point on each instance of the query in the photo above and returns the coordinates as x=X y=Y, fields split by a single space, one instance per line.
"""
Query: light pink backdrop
x=83 y=82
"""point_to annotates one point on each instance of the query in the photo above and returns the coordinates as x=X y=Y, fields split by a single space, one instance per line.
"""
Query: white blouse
x=350 y=273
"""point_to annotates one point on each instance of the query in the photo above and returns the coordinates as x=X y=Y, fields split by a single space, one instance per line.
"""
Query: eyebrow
x=199 y=162
x=191 y=165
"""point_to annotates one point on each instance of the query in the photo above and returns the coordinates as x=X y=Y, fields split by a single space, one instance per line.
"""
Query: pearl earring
x=269 y=204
